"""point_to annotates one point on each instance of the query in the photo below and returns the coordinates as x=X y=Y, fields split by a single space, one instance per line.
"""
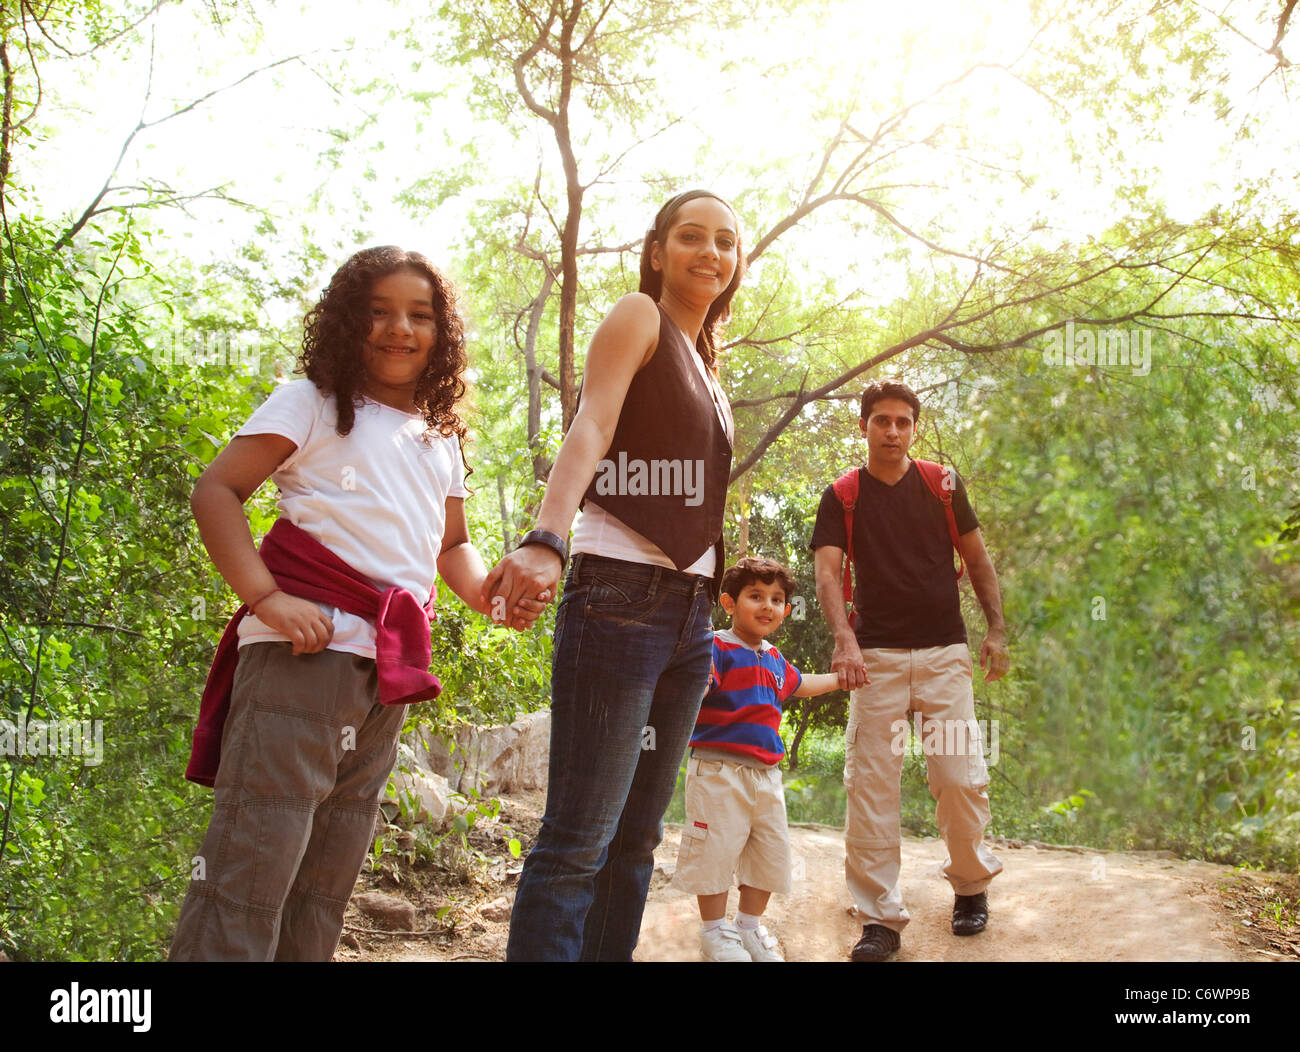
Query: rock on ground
x=498 y=909
x=494 y=760
x=429 y=792
x=388 y=911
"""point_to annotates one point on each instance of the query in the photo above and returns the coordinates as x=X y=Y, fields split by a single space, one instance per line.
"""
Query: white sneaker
x=760 y=944
x=723 y=944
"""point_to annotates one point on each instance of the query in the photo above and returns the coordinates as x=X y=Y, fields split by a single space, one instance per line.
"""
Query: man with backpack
x=898 y=520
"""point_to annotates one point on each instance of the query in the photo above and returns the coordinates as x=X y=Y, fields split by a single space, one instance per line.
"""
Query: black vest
x=665 y=473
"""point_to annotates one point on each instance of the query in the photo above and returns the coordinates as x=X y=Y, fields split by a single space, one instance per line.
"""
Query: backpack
x=846 y=489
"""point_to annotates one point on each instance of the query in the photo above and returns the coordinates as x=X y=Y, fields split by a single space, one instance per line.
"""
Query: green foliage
x=110 y=607
x=106 y=583
x=815 y=792
x=1172 y=720
x=489 y=674
x=1149 y=594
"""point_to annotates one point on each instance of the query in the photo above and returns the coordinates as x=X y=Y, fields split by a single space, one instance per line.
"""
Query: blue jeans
x=633 y=647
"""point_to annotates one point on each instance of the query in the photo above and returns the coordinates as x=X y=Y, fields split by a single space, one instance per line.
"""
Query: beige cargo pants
x=306 y=752
x=937 y=683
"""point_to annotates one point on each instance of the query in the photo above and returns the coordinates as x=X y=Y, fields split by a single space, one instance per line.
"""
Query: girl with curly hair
x=298 y=727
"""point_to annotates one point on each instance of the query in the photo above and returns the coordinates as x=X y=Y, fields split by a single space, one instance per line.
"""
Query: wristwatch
x=547 y=539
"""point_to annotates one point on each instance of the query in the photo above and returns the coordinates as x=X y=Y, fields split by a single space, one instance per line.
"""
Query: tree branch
x=98 y=44
x=93 y=208
x=520 y=63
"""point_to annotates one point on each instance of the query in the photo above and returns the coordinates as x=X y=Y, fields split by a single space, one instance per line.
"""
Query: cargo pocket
x=850 y=738
x=694 y=838
x=691 y=849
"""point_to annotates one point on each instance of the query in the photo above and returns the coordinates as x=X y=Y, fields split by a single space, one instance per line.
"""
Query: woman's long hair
x=652 y=281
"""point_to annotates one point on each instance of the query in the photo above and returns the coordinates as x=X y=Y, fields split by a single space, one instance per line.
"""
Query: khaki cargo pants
x=937 y=683
x=306 y=752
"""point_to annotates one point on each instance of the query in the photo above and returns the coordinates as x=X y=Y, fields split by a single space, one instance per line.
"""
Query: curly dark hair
x=652 y=281
x=755 y=568
x=337 y=327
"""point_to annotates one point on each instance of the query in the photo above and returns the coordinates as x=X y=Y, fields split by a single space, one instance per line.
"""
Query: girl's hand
x=514 y=590
x=303 y=622
x=528 y=611
x=461 y=566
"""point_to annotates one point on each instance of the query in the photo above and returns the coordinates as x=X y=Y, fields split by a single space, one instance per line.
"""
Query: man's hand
x=994 y=659
x=994 y=656
x=847 y=663
x=303 y=622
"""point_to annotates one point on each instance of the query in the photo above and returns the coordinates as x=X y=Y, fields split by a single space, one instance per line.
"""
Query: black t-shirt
x=904 y=576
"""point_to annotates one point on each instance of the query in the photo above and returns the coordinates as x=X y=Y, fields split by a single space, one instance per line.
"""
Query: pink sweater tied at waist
x=305 y=568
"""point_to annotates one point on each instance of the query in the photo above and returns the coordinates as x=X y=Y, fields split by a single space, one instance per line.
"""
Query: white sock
x=708 y=926
x=747 y=921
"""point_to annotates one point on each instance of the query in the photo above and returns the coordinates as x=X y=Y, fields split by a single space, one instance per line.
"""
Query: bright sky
x=266 y=138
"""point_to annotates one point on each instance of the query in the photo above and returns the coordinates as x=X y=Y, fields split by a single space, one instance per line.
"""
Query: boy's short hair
x=754 y=568
x=878 y=389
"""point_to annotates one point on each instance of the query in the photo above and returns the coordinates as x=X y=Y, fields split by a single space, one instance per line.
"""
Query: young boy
x=735 y=801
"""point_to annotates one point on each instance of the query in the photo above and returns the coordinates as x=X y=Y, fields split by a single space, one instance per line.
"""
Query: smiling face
x=888 y=431
x=698 y=255
x=403 y=333
x=757 y=611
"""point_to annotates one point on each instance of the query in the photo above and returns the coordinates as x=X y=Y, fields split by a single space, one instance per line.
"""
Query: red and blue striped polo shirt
x=741 y=713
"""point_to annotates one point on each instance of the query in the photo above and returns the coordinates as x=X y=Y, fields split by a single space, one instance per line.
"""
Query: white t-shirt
x=377 y=498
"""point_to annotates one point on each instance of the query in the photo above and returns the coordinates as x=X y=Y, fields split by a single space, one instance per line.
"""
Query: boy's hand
x=303 y=622
x=815 y=683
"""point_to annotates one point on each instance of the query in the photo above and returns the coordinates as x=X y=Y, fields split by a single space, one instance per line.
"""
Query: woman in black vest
x=648 y=455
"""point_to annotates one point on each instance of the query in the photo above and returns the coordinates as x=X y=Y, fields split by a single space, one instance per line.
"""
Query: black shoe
x=970 y=913
x=877 y=943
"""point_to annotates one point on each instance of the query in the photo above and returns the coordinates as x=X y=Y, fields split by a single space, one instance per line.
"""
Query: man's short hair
x=754 y=568
x=878 y=389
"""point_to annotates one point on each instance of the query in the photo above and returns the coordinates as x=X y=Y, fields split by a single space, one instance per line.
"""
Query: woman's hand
x=521 y=584
x=461 y=566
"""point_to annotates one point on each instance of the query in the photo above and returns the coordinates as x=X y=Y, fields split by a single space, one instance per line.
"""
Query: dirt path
x=1047 y=905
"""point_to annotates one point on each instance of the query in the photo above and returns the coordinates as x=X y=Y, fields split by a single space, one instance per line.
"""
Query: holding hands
x=846 y=662
x=521 y=584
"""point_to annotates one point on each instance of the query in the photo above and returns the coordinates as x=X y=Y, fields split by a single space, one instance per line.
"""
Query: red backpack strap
x=846 y=490
x=941 y=482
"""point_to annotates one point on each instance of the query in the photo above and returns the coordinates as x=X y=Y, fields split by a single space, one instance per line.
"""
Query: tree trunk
x=572 y=221
x=7 y=118
x=742 y=532
x=507 y=530
x=792 y=754
x=8 y=113
x=541 y=465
